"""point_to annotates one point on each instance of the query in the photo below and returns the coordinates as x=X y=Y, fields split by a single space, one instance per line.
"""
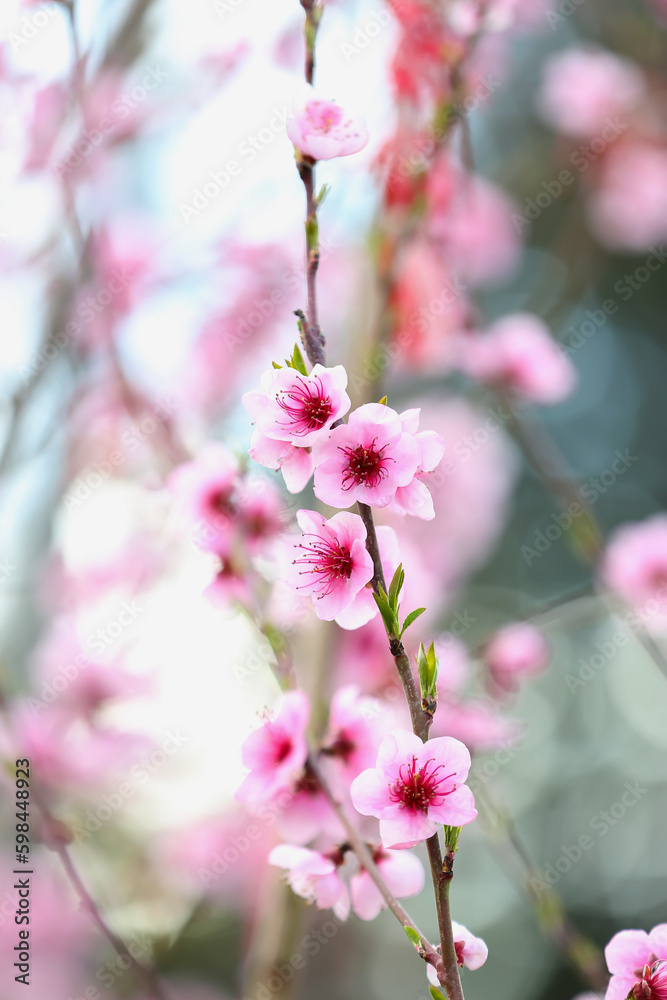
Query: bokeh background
x=92 y=422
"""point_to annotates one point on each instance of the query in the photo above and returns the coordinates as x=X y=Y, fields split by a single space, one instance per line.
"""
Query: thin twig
x=365 y=858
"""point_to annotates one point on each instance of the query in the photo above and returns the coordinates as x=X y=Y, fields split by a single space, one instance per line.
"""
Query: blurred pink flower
x=205 y=489
x=634 y=565
x=516 y=651
x=261 y=512
x=276 y=752
x=367 y=459
x=402 y=872
x=414 y=787
x=453 y=664
x=314 y=877
x=48 y=111
x=477 y=723
x=583 y=88
x=637 y=962
x=225 y=855
x=628 y=211
x=332 y=564
x=472 y=220
x=67 y=752
x=471 y=490
x=471 y=951
x=320 y=129
x=429 y=308
x=230 y=585
x=518 y=353
x=351 y=740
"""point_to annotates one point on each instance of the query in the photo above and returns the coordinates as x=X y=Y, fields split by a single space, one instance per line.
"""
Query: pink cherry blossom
x=415 y=498
x=582 y=89
x=414 y=787
x=205 y=489
x=321 y=129
x=628 y=211
x=229 y=586
x=298 y=408
x=276 y=752
x=295 y=463
x=314 y=877
x=304 y=813
x=453 y=664
x=351 y=738
x=363 y=609
x=471 y=951
x=331 y=562
x=261 y=512
x=518 y=354
x=471 y=489
x=367 y=459
x=472 y=220
x=635 y=566
x=516 y=651
x=403 y=873
x=637 y=962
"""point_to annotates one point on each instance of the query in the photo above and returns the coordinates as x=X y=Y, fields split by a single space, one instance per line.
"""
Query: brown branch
x=365 y=858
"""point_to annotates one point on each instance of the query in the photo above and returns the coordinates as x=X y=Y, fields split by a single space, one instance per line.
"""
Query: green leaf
x=383 y=401
x=297 y=361
x=414 y=937
x=412 y=617
x=323 y=193
x=427 y=664
x=275 y=364
x=395 y=586
x=436 y=994
x=388 y=615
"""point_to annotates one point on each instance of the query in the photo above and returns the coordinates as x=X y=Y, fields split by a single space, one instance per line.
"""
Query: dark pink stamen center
x=418 y=788
x=365 y=466
x=306 y=405
x=328 y=561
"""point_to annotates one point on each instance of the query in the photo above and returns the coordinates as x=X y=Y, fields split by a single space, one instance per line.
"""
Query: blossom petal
x=627 y=951
x=401 y=828
x=369 y=792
